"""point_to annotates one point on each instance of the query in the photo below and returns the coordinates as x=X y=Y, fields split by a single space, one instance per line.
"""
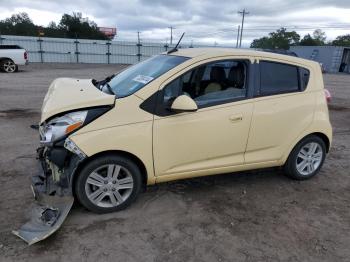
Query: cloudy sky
x=204 y=21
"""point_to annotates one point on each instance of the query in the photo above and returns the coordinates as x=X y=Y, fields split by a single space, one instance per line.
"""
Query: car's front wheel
x=306 y=159
x=108 y=183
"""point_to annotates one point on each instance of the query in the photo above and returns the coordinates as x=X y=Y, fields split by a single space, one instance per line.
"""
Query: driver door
x=213 y=139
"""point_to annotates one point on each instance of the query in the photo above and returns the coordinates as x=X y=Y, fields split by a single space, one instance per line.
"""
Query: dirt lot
x=250 y=216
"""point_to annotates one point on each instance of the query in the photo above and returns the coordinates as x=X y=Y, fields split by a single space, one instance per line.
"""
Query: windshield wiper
x=109 y=88
x=100 y=84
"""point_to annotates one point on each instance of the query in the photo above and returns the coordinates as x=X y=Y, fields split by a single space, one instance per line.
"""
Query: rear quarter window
x=279 y=78
x=304 y=77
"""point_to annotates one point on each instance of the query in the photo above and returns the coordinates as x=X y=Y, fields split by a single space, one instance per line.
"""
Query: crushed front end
x=59 y=158
x=52 y=189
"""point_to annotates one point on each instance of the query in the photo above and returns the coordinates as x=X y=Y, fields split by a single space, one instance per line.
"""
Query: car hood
x=66 y=94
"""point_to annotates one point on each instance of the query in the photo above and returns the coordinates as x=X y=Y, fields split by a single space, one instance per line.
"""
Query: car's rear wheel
x=8 y=66
x=108 y=183
x=306 y=159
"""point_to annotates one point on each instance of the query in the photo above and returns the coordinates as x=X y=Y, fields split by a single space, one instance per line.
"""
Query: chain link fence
x=63 y=50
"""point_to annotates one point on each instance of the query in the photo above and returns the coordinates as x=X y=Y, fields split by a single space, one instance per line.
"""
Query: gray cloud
x=203 y=20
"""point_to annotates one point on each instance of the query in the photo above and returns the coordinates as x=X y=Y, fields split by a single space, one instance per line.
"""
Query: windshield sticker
x=143 y=79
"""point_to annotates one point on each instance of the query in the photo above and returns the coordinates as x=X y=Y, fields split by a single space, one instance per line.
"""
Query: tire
x=8 y=66
x=108 y=183
x=306 y=158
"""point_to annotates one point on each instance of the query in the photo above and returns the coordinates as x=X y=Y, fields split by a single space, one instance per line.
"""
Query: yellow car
x=187 y=113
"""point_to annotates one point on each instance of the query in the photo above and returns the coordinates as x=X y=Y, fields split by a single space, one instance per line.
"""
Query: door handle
x=236 y=118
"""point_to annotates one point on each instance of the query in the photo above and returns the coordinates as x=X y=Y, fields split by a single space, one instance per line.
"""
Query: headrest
x=217 y=74
x=236 y=75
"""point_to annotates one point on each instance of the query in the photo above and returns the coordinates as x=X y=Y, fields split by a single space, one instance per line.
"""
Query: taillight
x=327 y=95
x=25 y=55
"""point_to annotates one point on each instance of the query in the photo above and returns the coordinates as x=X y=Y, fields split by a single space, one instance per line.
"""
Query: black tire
x=290 y=166
x=5 y=69
x=125 y=164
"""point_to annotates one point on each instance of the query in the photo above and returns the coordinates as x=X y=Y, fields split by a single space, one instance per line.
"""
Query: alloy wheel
x=109 y=185
x=309 y=158
x=9 y=66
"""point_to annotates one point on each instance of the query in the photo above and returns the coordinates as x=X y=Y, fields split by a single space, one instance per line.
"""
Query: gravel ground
x=250 y=216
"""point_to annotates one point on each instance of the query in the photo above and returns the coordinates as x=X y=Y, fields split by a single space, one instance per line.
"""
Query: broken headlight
x=61 y=126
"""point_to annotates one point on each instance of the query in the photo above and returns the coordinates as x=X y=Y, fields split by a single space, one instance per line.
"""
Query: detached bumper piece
x=52 y=192
x=47 y=216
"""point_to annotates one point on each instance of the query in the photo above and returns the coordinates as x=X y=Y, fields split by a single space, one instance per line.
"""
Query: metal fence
x=63 y=50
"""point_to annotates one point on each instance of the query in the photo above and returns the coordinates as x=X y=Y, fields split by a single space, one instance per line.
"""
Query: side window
x=211 y=84
x=172 y=91
x=304 y=77
x=277 y=78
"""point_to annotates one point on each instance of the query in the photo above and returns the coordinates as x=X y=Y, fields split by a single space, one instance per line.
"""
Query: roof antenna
x=175 y=48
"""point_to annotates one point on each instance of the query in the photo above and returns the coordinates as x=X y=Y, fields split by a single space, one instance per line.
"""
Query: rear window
x=277 y=78
x=10 y=47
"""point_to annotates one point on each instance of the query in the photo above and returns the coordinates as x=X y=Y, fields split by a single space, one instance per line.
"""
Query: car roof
x=206 y=53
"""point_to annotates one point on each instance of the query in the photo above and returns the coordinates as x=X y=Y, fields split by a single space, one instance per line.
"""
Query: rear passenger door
x=282 y=110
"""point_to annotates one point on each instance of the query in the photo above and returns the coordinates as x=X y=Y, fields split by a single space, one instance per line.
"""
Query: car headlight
x=62 y=126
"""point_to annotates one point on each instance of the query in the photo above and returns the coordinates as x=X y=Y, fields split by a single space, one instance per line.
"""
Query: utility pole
x=243 y=13
x=138 y=46
x=238 y=36
x=171 y=34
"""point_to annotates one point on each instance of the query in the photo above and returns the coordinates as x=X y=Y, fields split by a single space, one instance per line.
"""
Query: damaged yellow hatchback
x=186 y=113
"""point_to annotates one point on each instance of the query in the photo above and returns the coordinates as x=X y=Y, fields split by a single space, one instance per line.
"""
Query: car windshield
x=136 y=77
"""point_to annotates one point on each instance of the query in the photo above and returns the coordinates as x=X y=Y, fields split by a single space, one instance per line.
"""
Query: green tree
x=18 y=24
x=281 y=39
x=308 y=41
x=318 y=38
x=70 y=26
x=76 y=26
x=342 y=40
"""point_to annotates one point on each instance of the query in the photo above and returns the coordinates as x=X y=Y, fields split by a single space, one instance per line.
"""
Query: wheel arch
x=321 y=135
x=125 y=154
x=5 y=58
x=325 y=139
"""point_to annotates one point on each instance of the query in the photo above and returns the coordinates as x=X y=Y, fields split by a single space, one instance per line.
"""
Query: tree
x=281 y=39
x=318 y=38
x=20 y=18
x=76 y=26
x=70 y=26
x=308 y=41
x=18 y=24
x=342 y=40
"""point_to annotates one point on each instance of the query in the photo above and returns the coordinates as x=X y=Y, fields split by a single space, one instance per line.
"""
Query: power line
x=266 y=29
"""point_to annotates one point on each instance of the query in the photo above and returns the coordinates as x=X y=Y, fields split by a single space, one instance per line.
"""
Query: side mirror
x=184 y=103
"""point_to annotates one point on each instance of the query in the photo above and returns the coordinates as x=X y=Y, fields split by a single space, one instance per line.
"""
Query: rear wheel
x=306 y=159
x=108 y=184
x=8 y=66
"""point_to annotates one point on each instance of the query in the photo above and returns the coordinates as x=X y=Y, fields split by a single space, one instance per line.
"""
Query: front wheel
x=306 y=159
x=108 y=184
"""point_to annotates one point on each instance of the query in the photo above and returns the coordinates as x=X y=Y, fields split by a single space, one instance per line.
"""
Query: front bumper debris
x=52 y=191
x=47 y=216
